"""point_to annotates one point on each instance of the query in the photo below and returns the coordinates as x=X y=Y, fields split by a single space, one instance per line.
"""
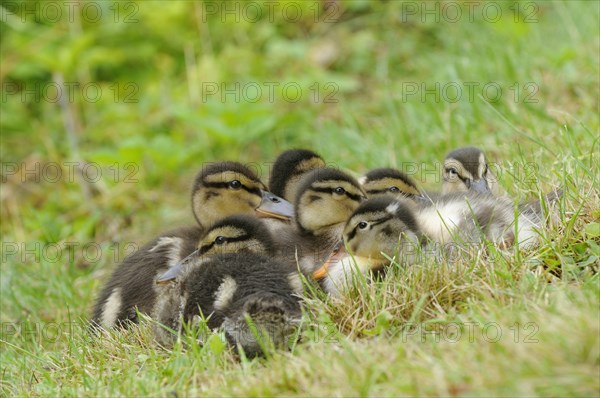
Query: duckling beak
x=480 y=186
x=175 y=270
x=337 y=254
x=273 y=206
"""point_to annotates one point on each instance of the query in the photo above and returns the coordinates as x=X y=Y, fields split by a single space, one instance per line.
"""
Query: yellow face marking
x=453 y=163
x=331 y=209
x=210 y=246
x=309 y=164
x=227 y=176
x=482 y=165
x=213 y=203
x=332 y=184
x=384 y=184
x=226 y=231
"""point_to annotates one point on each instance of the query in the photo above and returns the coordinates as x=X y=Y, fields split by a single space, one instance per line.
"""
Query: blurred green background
x=369 y=84
x=365 y=83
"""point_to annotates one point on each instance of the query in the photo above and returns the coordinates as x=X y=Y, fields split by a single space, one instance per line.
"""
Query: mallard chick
x=466 y=169
x=230 y=280
x=324 y=201
x=219 y=190
x=465 y=218
x=379 y=227
x=226 y=188
x=289 y=168
x=406 y=230
x=233 y=234
x=130 y=287
x=230 y=288
x=389 y=181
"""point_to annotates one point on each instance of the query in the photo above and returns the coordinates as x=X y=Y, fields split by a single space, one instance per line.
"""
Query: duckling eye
x=363 y=225
x=452 y=171
x=235 y=184
x=219 y=240
x=339 y=191
x=394 y=189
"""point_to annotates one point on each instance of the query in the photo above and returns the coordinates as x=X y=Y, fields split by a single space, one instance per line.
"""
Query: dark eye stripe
x=207 y=248
x=352 y=233
x=330 y=191
x=463 y=179
x=376 y=191
x=255 y=191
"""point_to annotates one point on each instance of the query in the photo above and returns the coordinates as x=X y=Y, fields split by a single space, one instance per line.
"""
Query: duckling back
x=229 y=288
x=466 y=218
x=130 y=286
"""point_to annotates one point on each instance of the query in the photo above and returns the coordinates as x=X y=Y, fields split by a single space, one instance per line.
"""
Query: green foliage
x=366 y=84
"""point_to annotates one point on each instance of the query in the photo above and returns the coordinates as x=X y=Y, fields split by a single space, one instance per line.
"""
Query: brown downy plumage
x=325 y=199
x=405 y=230
x=288 y=170
x=231 y=279
x=219 y=190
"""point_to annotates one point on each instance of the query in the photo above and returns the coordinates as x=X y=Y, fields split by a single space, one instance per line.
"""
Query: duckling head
x=467 y=169
x=325 y=199
x=380 y=229
x=289 y=168
x=242 y=234
x=263 y=321
x=228 y=188
x=235 y=234
x=388 y=181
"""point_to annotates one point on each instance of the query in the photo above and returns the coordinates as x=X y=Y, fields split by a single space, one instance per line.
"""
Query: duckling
x=230 y=280
x=219 y=190
x=227 y=188
x=233 y=234
x=379 y=225
x=469 y=216
x=407 y=230
x=389 y=181
x=289 y=168
x=466 y=169
x=325 y=198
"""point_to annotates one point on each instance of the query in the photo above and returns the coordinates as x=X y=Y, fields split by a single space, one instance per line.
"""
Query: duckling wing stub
x=175 y=270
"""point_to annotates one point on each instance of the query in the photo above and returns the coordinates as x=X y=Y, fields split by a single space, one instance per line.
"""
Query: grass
x=523 y=323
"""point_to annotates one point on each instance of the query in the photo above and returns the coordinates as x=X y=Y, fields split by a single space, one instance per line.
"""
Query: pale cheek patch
x=111 y=309
x=393 y=208
x=482 y=163
x=225 y=293
x=295 y=282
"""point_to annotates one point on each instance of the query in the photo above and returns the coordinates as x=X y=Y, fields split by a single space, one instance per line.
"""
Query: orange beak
x=336 y=255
